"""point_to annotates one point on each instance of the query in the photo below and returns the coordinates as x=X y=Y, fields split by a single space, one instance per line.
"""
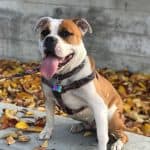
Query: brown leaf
x=10 y=140
x=45 y=144
x=6 y=122
x=23 y=138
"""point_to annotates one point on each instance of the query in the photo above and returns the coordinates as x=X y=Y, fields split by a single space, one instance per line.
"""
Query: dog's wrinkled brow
x=42 y=24
x=45 y=25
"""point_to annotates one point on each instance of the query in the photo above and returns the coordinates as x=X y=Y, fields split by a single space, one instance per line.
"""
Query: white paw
x=46 y=133
x=118 y=145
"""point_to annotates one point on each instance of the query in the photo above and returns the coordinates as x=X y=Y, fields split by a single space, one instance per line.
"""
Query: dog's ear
x=83 y=25
x=41 y=23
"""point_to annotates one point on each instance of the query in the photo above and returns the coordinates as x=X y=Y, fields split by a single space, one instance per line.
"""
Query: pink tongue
x=49 y=66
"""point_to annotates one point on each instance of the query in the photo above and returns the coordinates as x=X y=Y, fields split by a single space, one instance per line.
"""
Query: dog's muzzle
x=49 y=45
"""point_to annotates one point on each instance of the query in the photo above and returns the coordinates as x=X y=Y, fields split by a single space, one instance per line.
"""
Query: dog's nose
x=49 y=44
x=49 y=41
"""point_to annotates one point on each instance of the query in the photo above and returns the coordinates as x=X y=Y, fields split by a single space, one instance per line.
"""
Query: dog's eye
x=65 y=33
x=45 y=32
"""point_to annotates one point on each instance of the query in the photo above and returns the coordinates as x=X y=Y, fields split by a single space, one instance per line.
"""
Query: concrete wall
x=121 y=29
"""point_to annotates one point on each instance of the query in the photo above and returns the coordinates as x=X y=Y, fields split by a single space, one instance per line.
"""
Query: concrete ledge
x=64 y=140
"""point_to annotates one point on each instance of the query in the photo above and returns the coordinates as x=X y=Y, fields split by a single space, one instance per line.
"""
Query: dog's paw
x=46 y=133
x=118 y=145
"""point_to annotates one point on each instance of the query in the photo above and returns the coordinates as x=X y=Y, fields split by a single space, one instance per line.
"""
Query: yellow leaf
x=41 y=109
x=142 y=85
x=127 y=107
x=29 y=113
x=32 y=104
x=22 y=125
x=122 y=90
x=146 y=129
x=11 y=114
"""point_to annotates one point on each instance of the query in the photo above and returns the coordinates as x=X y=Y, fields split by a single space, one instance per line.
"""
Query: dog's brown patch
x=105 y=89
x=71 y=27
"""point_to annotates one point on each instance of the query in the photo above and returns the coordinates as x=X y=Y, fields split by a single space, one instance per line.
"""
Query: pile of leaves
x=134 y=88
x=23 y=121
x=23 y=91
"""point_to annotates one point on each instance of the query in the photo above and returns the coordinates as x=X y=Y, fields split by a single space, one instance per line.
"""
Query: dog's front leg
x=100 y=115
x=49 y=105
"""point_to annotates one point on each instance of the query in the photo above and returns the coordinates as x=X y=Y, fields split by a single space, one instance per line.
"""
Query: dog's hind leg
x=116 y=127
x=87 y=121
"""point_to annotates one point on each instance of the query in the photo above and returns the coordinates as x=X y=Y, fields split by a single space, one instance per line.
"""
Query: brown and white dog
x=62 y=48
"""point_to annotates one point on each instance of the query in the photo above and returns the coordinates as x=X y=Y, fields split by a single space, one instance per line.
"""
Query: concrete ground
x=64 y=140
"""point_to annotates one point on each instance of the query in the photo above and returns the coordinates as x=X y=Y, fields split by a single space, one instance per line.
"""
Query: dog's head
x=61 y=44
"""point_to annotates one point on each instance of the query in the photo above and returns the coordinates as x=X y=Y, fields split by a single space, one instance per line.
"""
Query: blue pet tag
x=57 y=88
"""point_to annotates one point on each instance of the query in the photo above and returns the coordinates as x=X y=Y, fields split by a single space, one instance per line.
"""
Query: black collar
x=68 y=74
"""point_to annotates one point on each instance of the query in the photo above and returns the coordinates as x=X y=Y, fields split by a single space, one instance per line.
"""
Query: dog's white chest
x=72 y=101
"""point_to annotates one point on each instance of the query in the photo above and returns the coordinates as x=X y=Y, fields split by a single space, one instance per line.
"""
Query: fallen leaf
x=146 y=129
x=41 y=109
x=45 y=144
x=11 y=114
x=23 y=138
x=135 y=116
x=22 y=125
x=29 y=113
x=127 y=107
x=122 y=91
x=5 y=122
x=10 y=140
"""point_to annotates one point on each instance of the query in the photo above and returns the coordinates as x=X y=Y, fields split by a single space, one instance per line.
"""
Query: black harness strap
x=74 y=71
x=63 y=106
x=76 y=84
